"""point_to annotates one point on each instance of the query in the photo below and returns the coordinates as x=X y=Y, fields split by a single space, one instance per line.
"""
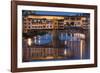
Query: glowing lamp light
x=29 y=42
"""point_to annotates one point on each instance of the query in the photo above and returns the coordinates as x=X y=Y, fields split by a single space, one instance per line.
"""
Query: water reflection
x=42 y=39
x=29 y=41
x=56 y=45
x=67 y=36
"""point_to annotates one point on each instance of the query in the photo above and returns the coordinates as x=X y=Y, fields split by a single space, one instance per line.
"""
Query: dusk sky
x=53 y=13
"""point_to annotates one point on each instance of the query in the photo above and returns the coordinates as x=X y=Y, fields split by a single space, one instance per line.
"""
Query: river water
x=57 y=45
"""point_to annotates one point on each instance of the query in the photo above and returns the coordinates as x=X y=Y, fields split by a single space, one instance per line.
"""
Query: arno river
x=57 y=45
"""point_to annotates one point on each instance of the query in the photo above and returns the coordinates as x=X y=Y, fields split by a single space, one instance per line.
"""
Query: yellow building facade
x=53 y=22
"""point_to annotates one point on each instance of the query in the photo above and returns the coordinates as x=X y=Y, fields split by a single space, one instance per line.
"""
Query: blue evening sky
x=53 y=13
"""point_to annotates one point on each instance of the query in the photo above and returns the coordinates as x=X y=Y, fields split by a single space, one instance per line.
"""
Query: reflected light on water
x=81 y=49
x=65 y=52
x=56 y=45
x=39 y=41
x=35 y=39
x=65 y=42
x=29 y=41
x=79 y=35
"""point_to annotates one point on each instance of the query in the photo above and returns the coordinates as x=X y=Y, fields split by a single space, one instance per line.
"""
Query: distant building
x=54 y=22
x=40 y=22
x=76 y=21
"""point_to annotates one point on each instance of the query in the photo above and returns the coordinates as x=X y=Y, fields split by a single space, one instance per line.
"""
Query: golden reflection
x=29 y=41
x=65 y=52
x=35 y=39
x=81 y=49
